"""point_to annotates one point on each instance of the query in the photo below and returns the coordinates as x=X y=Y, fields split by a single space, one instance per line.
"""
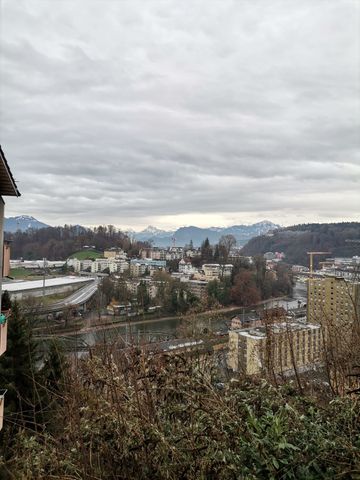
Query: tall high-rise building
x=333 y=301
x=276 y=348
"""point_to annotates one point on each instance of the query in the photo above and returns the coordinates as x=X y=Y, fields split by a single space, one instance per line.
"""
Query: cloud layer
x=167 y=112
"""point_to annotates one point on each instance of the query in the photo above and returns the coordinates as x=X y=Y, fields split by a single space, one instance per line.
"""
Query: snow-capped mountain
x=152 y=233
x=150 y=230
x=183 y=235
x=23 y=223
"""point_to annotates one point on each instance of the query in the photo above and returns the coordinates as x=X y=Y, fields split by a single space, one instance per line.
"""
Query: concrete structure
x=186 y=267
x=81 y=265
x=115 y=265
x=38 y=264
x=157 y=253
x=142 y=266
x=115 y=253
x=276 y=348
x=7 y=188
x=213 y=271
x=35 y=288
x=333 y=301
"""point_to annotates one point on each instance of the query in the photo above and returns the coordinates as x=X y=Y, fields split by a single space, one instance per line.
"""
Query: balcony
x=4 y=316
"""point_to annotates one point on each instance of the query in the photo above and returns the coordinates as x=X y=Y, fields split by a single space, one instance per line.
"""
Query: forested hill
x=58 y=243
x=341 y=239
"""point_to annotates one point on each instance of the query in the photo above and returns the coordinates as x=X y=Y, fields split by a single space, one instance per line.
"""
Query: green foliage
x=206 y=251
x=18 y=372
x=163 y=418
x=57 y=243
x=20 y=272
x=219 y=292
x=143 y=297
x=17 y=362
x=86 y=255
x=5 y=301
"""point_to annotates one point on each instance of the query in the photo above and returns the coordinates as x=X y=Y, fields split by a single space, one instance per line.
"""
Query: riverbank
x=128 y=322
x=104 y=324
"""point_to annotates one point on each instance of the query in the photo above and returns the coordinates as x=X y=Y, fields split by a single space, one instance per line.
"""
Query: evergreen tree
x=206 y=251
x=5 y=301
x=143 y=297
x=217 y=254
x=18 y=373
x=54 y=368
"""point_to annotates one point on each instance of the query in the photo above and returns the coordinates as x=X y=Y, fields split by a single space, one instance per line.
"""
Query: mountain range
x=163 y=238
x=23 y=223
x=182 y=236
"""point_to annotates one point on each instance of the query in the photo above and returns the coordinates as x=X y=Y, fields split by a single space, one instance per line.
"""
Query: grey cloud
x=119 y=111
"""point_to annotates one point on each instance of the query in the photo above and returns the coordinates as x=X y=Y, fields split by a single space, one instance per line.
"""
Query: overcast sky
x=208 y=112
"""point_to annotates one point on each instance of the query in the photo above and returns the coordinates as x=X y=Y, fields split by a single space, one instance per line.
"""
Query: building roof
x=260 y=332
x=7 y=182
x=20 y=286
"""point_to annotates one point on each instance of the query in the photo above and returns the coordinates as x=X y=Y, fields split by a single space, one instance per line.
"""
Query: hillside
x=341 y=239
x=22 y=223
x=86 y=254
x=58 y=243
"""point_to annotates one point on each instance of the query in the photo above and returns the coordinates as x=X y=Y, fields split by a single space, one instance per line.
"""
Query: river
x=166 y=329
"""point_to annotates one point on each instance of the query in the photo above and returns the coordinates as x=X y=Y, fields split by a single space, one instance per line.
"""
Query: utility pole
x=44 y=273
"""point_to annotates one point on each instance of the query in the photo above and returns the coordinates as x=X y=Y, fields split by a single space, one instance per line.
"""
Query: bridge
x=76 y=299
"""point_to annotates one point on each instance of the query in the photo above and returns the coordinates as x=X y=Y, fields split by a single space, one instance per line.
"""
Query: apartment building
x=114 y=265
x=333 y=301
x=141 y=266
x=276 y=348
x=213 y=271
x=115 y=253
x=81 y=265
x=7 y=188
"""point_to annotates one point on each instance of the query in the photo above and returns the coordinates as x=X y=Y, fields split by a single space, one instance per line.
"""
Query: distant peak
x=150 y=229
x=24 y=217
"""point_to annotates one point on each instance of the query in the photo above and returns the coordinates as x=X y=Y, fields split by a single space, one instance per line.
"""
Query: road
x=75 y=299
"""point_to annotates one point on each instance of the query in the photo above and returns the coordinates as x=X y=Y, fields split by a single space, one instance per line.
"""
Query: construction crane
x=312 y=260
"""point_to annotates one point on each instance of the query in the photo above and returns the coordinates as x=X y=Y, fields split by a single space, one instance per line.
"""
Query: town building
x=81 y=265
x=152 y=286
x=186 y=267
x=7 y=188
x=333 y=301
x=114 y=265
x=276 y=348
x=143 y=266
x=115 y=253
x=213 y=271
